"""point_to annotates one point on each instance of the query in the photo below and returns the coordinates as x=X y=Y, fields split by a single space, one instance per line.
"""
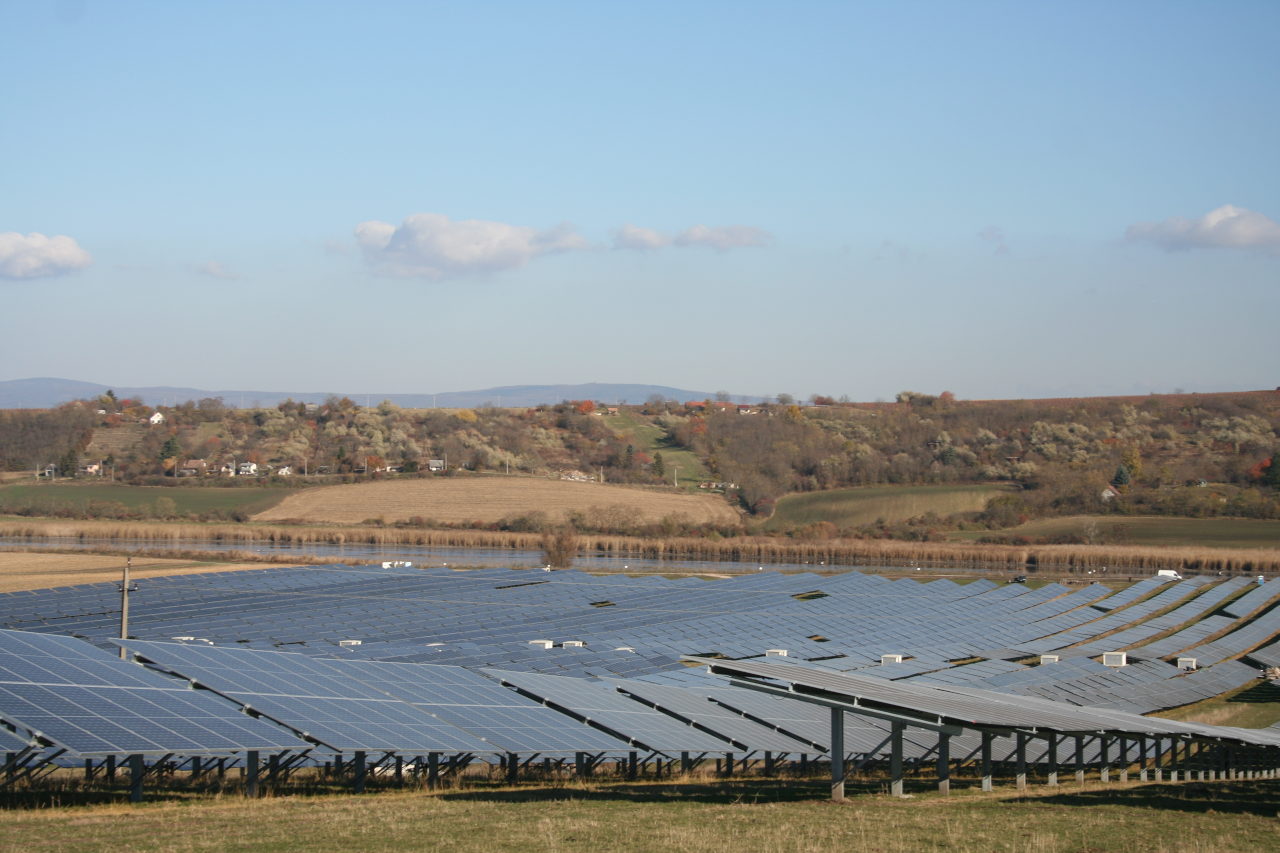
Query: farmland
x=846 y=508
x=1147 y=530
x=491 y=499
x=20 y=571
x=92 y=499
x=688 y=815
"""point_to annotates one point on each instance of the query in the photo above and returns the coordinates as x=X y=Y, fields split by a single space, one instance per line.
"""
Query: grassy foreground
x=765 y=815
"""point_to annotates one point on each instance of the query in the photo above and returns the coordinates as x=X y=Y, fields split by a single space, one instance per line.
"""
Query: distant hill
x=44 y=393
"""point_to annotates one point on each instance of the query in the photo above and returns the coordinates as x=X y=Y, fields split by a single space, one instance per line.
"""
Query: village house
x=156 y=419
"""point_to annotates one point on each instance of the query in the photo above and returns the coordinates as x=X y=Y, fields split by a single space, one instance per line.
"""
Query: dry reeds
x=743 y=549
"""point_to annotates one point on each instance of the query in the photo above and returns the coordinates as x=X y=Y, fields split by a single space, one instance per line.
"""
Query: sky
x=1000 y=200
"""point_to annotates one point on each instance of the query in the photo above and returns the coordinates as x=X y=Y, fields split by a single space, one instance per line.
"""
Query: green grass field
x=187 y=499
x=651 y=438
x=729 y=816
x=1149 y=530
x=866 y=505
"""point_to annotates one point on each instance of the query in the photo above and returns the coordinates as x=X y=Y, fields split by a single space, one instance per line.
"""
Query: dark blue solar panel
x=81 y=698
x=305 y=695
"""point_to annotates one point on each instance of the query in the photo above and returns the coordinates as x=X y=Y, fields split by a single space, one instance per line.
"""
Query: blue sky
x=996 y=199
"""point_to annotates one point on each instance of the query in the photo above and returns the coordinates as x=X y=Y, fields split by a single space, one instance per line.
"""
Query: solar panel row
x=629 y=631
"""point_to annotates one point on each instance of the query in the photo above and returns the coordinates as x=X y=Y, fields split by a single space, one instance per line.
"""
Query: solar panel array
x=1260 y=596
x=80 y=698
x=415 y=661
x=307 y=696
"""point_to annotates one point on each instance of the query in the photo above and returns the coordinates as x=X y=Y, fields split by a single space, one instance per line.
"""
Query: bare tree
x=560 y=546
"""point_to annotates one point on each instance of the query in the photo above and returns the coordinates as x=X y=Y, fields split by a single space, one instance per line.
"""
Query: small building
x=89 y=469
x=193 y=468
x=284 y=471
x=435 y=464
x=247 y=469
x=156 y=419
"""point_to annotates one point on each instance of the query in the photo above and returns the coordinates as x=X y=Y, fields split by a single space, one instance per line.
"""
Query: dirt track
x=459 y=499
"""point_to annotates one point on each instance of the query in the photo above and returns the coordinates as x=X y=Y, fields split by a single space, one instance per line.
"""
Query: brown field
x=19 y=570
x=488 y=499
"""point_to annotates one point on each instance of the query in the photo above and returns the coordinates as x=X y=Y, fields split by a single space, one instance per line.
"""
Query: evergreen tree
x=1121 y=478
x=659 y=467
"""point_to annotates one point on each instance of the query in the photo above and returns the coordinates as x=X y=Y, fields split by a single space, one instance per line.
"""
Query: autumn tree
x=1271 y=474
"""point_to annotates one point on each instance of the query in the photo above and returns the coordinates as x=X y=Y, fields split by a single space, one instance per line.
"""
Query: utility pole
x=675 y=475
x=126 y=587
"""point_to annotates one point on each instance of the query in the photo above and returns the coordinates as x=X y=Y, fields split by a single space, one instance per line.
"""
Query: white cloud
x=723 y=238
x=37 y=256
x=994 y=235
x=430 y=245
x=216 y=270
x=1227 y=227
x=641 y=239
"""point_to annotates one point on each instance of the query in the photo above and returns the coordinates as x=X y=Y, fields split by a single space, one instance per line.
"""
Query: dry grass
x=20 y=571
x=733 y=817
x=489 y=499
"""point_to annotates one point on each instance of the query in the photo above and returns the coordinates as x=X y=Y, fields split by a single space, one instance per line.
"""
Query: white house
x=156 y=419
x=247 y=469
x=284 y=471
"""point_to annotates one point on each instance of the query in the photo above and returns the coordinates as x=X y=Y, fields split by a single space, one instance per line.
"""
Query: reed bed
x=743 y=549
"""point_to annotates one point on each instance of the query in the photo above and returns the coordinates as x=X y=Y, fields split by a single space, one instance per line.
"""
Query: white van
x=1168 y=573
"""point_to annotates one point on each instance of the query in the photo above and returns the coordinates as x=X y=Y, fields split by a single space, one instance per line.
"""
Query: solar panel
x=300 y=693
x=602 y=705
x=91 y=703
x=484 y=619
x=693 y=709
x=480 y=706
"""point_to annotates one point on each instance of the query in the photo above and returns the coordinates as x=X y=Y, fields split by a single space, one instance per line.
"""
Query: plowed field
x=459 y=499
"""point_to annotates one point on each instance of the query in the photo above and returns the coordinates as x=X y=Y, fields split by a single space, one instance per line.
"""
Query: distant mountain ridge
x=47 y=392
